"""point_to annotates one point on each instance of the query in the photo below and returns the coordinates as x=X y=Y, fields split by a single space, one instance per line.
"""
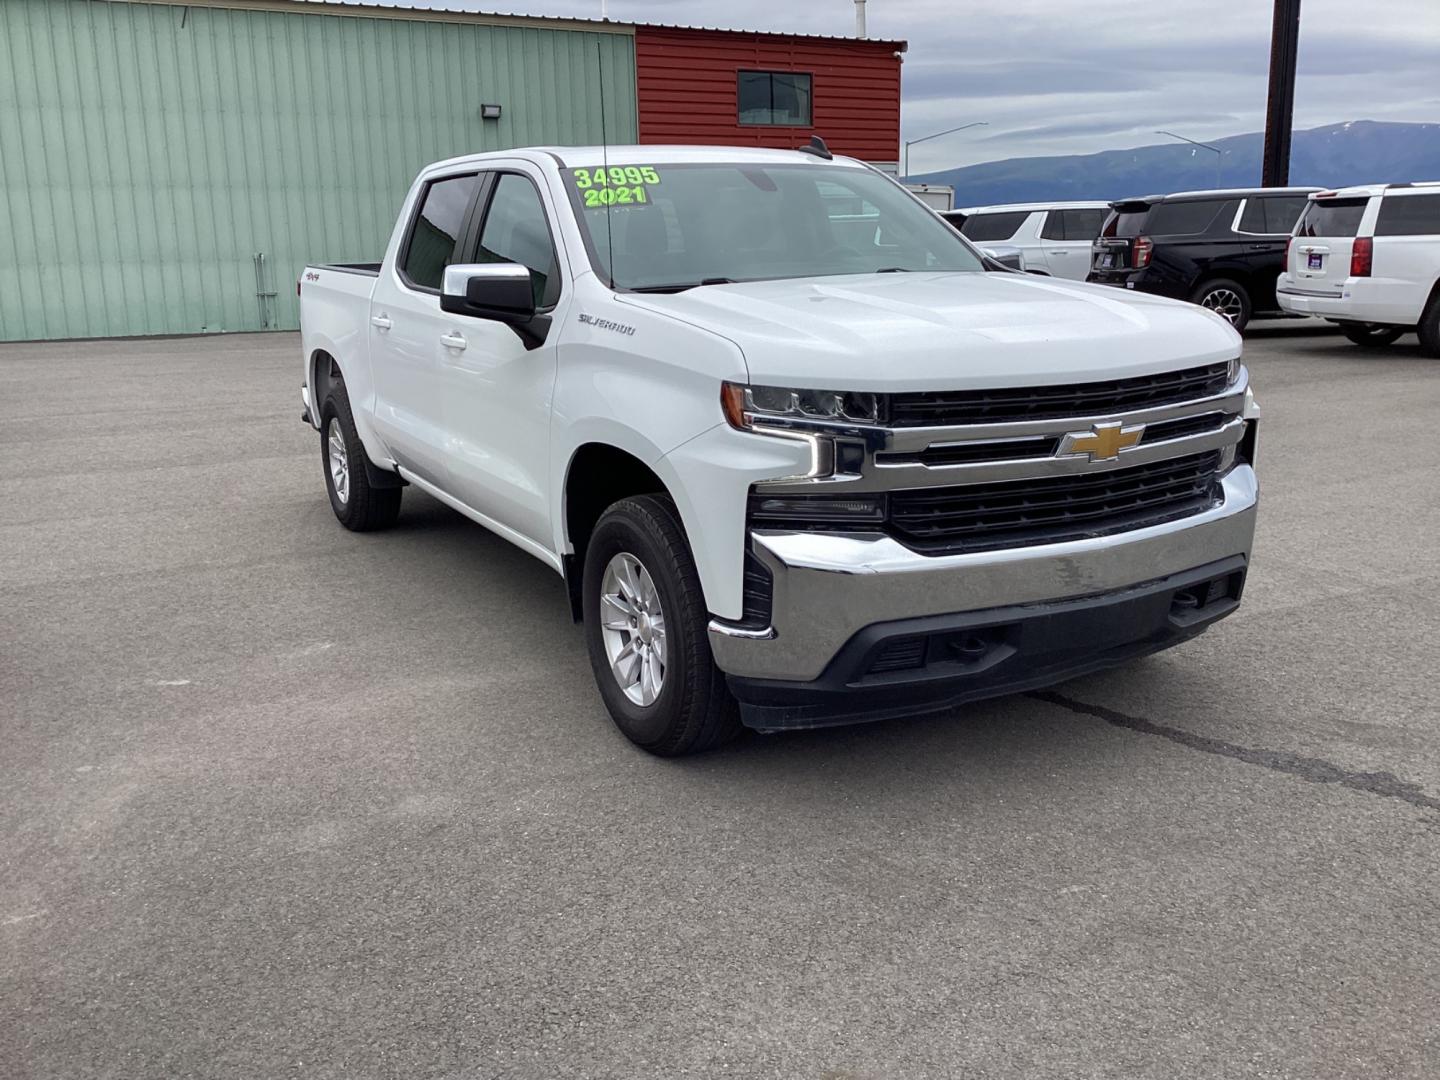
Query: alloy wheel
x=1225 y=302
x=632 y=624
x=339 y=460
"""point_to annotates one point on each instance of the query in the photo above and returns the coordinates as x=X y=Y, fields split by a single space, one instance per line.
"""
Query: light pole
x=1219 y=154
x=927 y=138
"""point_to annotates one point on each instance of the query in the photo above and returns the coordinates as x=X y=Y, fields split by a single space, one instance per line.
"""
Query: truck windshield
x=671 y=227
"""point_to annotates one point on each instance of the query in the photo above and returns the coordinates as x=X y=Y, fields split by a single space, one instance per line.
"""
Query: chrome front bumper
x=828 y=587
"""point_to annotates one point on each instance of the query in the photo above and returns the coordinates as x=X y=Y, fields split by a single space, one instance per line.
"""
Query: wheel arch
x=597 y=475
x=325 y=373
x=1432 y=298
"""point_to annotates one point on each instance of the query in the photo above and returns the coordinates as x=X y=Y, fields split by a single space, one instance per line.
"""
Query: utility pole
x=1280 y=110
x=927 y=138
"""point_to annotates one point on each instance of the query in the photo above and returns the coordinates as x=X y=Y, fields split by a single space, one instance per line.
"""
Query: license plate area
x=1107 y=261
x=1314 y=261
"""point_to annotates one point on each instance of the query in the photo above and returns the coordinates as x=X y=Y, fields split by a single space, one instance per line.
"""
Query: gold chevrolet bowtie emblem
x=1103 y=442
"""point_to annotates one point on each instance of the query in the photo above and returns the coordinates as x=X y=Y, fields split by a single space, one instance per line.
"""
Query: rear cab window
x=1332 y=217
x=988 y=228
x=1408 y=215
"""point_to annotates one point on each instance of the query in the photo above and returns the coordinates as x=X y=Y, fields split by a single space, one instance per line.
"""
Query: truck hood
x=937 y=331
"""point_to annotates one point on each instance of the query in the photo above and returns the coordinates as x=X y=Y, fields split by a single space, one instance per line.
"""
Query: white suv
x=1368 y=258
x=1053 y=237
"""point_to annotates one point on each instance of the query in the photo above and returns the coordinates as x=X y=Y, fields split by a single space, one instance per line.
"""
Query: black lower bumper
x=927 y=664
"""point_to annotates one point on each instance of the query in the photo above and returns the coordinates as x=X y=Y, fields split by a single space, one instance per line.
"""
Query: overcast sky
x=1079 y=76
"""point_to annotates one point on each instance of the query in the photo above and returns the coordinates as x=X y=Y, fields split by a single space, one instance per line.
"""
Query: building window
x=774 y=97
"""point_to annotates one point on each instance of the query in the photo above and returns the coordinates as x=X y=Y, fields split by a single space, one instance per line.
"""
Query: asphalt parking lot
x=280 y=800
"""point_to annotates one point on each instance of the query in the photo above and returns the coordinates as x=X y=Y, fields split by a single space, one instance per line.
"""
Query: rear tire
x=1226 y=298
x=358 y=506
x=646 y=632
x=1372 y=335
x=1429 y=328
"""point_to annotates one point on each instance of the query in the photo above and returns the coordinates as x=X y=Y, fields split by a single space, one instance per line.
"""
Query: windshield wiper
x=682 y=286
x=894 y=270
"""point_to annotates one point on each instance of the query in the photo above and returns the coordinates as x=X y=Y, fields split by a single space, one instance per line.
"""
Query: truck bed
x=335 y=315
x=369 y=269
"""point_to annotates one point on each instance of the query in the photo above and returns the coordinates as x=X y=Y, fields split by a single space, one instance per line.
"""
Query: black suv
x=1220 y=249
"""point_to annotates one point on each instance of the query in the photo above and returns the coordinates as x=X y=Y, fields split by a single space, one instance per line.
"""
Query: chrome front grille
x=1054 y=402
x=1010 y=480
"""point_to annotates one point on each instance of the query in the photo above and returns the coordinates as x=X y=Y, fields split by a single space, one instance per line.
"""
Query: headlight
x=1234 y=372
x=743 y=405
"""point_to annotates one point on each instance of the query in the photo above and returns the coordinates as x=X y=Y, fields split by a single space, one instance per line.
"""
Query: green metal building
x=168 y=168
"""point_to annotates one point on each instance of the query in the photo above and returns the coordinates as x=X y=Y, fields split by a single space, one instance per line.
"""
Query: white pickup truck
x=799 y=453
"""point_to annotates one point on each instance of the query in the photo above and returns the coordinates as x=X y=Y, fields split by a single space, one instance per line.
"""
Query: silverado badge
x=1103 y=442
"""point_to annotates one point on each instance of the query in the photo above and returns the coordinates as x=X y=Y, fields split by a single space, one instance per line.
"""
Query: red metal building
x=759 y=89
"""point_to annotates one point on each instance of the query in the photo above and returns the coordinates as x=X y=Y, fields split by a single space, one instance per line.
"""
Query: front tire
x=1372 y=335
x=358 y=506
x=646 y=632
x=1226 y=298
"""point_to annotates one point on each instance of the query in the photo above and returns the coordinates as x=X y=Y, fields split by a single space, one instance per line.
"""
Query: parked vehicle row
x=800 y=453
x=1368 y=259
x=1053 y=238
x=1222 y=250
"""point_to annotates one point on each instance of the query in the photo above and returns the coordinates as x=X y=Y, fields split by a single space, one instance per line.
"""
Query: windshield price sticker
x=619 y=185
x=616 y=175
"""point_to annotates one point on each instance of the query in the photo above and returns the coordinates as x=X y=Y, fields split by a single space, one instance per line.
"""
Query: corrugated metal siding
x=687 y=90
x=147 y=153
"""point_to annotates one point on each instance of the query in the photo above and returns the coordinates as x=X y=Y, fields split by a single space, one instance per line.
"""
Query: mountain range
x=1357 y=152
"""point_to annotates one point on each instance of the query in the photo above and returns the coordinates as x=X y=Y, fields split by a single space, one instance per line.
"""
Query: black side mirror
x=498 y=291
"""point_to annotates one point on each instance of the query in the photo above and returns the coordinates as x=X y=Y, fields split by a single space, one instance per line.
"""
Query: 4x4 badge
x=1103 y=442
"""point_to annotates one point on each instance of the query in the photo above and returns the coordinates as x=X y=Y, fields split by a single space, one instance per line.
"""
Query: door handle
x=453 y=340
x=1259 y=247
x=381 y=322
x=1059 y=251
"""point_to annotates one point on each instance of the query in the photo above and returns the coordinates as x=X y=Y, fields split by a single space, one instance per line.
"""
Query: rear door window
x=1185 y=218
x=1332 y=217
x=1408 y=215
x=987 y=228
x=430 y=247
x=1054 y=227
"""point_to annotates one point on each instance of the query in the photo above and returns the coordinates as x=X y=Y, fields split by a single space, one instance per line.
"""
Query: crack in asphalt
x=1315 y=770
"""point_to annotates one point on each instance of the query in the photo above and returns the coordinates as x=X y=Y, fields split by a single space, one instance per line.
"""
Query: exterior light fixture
x=489 y=112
